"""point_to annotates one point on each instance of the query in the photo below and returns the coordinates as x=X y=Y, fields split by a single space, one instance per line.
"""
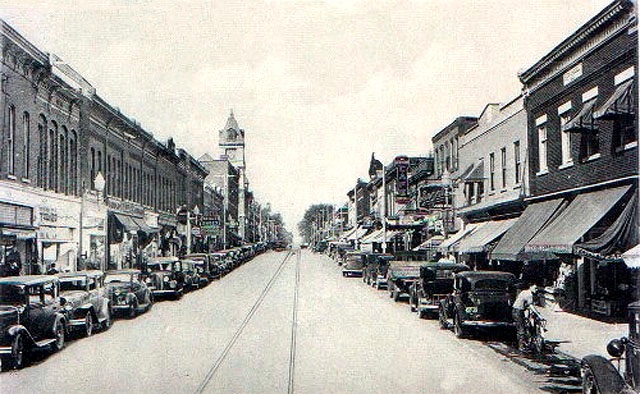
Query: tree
x=316 y=217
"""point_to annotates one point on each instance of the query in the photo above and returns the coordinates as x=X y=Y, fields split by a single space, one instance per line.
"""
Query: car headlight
x=166 y=279
x=147 y=280
x=172 y=284
x=471 y=310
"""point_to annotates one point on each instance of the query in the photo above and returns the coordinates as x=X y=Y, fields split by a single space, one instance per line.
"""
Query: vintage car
x=190 y=274
x=128 y=293
x=434 y=284
x=206 y=267
x=219 y=260
x=479 y=300
x=164 y=277
x=400 y=276
x=375 y=269
x=601 y=375
x=353 y=264
x=32 y=316
x=86 y=301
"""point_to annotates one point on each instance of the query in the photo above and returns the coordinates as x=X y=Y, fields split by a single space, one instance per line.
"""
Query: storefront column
x=581 y=282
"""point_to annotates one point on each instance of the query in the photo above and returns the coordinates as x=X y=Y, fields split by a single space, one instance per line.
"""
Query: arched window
x=73 y=162
x=11 y=141
x=93 y=168
x=64 y=156
x=44 y=152
x=26 y=145
x=52 y=178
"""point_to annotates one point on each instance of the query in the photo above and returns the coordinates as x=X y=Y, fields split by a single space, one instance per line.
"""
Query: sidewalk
x=586 y=336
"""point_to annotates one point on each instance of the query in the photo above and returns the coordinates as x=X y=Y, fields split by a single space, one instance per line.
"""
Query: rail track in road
x=245 y=322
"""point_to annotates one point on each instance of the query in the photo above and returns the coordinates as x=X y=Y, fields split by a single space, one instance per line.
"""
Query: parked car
x=128 y=293
x=86 y=301
x=190 y=274
x=353 y=265
x=164 y=277
x=601 y=375
x=207 y=269
x=219 y=260
x=32 y=316
x=479 y=300
x=434 y=284
x=400 y=276
x=375 y=269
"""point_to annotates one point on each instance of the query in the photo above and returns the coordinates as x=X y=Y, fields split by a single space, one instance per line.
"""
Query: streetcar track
x=294 y=327
x=225 y=353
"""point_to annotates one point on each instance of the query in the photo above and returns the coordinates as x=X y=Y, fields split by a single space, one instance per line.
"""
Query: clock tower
x=231 y=143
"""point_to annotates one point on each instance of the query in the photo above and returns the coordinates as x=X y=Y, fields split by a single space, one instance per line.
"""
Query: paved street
x=350 y=338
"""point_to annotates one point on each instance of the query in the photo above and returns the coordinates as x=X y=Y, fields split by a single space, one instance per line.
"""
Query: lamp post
x=447 y=184
x=99 y=184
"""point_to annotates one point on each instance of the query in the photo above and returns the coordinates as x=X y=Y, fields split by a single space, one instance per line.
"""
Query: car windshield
x=73 y=283
x=115 y=278
x=12 y=295
x=160 y=266
x=491 y=284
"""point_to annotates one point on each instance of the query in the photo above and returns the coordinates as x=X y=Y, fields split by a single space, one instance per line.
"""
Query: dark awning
x=580 y=216
x=534 y=217
x=583 y=121
x=620 y=236
x=619 y=104
x=475 y=172
x=484 y=234
x=144 y=227
x=127 y=222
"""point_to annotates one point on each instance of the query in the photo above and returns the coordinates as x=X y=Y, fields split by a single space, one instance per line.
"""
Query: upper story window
x=503 y=165
x=620 y=109
x=492 y=171
x=11 y=140
x=517 y=162
x=565 y=135
x=586 y=125
x=542 y=148
x=26 y=144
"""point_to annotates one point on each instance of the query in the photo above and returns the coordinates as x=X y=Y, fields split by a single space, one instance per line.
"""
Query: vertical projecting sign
x=402 y=179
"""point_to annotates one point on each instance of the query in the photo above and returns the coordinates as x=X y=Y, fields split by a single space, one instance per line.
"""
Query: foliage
x=316 y=215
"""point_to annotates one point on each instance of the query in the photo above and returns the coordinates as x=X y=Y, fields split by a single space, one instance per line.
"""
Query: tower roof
x=232 y=123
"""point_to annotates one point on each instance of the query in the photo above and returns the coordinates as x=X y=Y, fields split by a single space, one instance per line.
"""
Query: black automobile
x=128 y=293
x=353 y=264
x=434 y=284
x=85 y=300
x=190 y=274
x=32 y=317
x=164 y=277
x=207 y=269
x=479 y=300
x=601 y=375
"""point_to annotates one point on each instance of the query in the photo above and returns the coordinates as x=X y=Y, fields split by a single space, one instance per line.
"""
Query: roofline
x=457 y=120
x=582 y=34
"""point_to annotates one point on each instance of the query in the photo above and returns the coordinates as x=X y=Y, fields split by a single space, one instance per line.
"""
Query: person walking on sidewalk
x=524 y=299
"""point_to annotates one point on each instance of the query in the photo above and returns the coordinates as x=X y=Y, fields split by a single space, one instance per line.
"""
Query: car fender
x=86 y=308
x=20 y=329
x=605 y=374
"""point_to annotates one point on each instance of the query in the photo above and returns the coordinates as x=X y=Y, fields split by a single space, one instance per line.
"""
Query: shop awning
x=619 y=104
x=371 y=238
x=144 y=227
x=451 y=243
x=534 y=218
x=359 y=233
x=583 y=121
x=621 y=235
x=486 y=233
x=126 y=221
x=348 y=233
x=580 y=216
x=632 y=257
x=476 y=173
x=390 y=235
x=431 y=243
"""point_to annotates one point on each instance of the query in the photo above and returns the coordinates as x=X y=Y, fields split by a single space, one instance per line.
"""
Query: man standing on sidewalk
x=522 y=302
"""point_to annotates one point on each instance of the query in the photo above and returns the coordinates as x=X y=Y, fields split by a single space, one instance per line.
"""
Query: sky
x=316 y=85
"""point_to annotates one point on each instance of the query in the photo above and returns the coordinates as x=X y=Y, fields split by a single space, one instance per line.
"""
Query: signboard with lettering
x=402 y=179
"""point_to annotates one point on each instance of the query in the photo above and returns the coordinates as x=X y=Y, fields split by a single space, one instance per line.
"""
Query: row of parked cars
x=39 y=312
x=466 y=301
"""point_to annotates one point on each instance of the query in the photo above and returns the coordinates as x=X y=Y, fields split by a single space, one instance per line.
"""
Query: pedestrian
x=13 y=262
x=53 y=270
x=523 y=301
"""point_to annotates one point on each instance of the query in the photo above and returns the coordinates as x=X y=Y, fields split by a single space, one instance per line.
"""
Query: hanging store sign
x=402 y=179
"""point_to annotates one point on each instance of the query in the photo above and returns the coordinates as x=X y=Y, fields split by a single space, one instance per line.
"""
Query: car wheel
x=106 y=324
x=15 y=360
x=413 y=304
x=396 y=295
x=133 y=309
x=442 y=318
x=58 y=333
x=457 y=327
x=88 y=324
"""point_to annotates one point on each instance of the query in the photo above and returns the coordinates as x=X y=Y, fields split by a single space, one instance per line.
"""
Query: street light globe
x=99 y=182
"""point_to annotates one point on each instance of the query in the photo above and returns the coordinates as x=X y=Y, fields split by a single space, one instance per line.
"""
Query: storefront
x=17 y=239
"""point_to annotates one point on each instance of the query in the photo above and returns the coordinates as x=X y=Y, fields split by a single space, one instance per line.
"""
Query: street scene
x=319 y=197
